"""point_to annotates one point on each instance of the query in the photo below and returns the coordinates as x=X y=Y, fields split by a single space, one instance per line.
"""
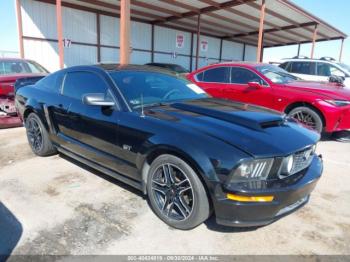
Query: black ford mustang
x=191 y=154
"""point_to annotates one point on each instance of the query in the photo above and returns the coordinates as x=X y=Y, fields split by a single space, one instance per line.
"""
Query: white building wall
x=80 y=55
x=39 y=21
x=250 y=53
x=43 y=52
x=109 y=55
x=79 y=26
x=165 y=40
x=232 y=51
x=109 y=30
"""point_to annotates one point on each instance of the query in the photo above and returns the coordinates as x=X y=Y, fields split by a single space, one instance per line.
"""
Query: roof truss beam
x=272 y=30
x=204 y=10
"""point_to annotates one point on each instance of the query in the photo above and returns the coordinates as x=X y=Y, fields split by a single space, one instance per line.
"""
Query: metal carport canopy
x=285 y=23
x=262 y=23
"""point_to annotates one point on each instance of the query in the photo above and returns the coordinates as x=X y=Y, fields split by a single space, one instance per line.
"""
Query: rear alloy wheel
x=176 y=193
x=308 y=117
x=38 y=137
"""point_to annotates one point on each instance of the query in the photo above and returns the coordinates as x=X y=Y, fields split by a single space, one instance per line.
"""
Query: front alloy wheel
x=176 y=194
x=172 y=191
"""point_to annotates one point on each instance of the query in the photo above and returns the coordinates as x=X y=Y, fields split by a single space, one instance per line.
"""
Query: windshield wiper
x=151 y=105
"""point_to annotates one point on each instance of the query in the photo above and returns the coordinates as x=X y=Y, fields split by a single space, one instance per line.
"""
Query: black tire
x=181 y=201
x=308 y=117
x=38 y=138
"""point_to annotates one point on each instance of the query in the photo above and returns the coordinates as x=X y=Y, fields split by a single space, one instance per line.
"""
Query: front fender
x=212 y=159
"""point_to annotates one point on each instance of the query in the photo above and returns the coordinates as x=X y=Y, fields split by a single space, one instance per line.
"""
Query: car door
x=91 y=131
x=325 y=70
x=305 y=70
x=240 y=90
x=214 y=80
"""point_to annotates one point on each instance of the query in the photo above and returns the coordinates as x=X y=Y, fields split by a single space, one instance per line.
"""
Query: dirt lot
x=52 y=206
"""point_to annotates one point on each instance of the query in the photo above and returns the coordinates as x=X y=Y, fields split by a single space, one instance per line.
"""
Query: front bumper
x=10 y=121
x=288 y=197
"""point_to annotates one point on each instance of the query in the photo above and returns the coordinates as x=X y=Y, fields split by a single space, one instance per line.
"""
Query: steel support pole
x=60 y=33
x=341 y=50
x=124 y=32
x=314 y=36
x=261 y=31
x=20 y=28
x=198 y=39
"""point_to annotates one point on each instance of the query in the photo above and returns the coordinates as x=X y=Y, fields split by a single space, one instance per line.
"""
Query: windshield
x=10 y=67
x=276 y=74
x=344 y=66
x=154 y=88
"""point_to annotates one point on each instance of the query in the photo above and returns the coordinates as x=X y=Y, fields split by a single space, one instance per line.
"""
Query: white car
x=317 y=69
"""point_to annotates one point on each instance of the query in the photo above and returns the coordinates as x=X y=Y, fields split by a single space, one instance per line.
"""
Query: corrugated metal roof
x=237 y=20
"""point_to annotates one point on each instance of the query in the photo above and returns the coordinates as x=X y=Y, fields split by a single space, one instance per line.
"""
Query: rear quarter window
x=51 y=82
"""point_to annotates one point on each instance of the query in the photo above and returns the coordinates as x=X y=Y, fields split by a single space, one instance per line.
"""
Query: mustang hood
x=258 y=131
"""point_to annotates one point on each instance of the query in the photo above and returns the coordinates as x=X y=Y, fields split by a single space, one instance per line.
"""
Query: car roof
x=131 y=67
x=308 y=60
x=14 y=59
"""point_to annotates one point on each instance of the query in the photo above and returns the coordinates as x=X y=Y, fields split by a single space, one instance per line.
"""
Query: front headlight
x=338 y=102
x=257 y=169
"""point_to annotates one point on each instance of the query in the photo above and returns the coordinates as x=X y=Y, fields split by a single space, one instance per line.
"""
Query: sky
x=334 y=12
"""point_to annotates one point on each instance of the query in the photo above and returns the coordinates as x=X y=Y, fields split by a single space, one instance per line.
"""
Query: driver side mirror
x=97 y=99
x=256 y=85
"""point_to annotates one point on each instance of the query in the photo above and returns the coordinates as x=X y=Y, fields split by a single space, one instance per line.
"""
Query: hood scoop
x=256 y=120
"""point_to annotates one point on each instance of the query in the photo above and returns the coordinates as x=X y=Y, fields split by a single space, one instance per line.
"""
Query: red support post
x=261 y=32
x=20 y=28
x=198 y=39
x=60 y=33
x=314 y=36
x=341 y=50
x=124 y=32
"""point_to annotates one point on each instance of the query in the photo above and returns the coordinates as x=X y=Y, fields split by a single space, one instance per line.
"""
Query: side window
x=285 y=66
x=305 y=68
x=325 y=69
x=77 y=84
x=52 y=82
x=217 y=75
x=200 y=76
x=244 y=76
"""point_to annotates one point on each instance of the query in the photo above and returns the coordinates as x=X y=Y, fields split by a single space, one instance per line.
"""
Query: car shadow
x=213 y=226
x=341 y=136
x=10 y=232
x=103 y=176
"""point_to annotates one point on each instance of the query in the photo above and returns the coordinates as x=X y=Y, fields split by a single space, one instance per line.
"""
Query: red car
x=12 y=69
x=321 y=106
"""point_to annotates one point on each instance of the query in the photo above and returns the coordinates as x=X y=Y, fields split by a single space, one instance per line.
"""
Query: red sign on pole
x=204 y=45
x=180 y=41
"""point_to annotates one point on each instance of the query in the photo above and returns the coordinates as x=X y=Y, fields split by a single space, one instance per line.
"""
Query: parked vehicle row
x=320 y=106
x=317 y=69
x=10 y=71
x=192 y=155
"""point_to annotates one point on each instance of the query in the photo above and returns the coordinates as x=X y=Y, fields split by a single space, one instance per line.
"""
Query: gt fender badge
x=127 y=147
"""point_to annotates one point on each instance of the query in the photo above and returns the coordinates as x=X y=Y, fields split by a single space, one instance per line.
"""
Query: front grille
x=302 y=160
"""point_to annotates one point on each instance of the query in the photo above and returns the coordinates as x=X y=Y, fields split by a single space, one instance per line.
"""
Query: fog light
x=249 y=198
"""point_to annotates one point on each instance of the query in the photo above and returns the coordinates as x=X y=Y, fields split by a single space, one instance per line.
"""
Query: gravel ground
x=53 y=206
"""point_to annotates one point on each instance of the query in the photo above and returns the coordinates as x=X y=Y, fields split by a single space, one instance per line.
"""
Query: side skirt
x=102 y=169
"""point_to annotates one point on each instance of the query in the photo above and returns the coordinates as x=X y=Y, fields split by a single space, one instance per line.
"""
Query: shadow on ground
x=10 y=232
x=103 y=176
